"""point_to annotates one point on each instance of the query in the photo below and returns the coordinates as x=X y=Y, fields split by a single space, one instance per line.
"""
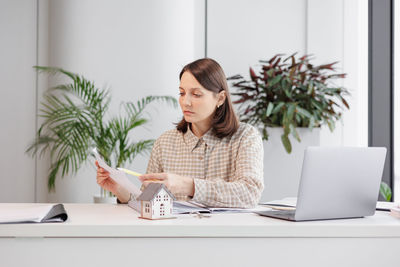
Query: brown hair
x=211 y=76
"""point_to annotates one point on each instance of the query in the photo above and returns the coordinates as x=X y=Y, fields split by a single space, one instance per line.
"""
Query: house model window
x=156 y=202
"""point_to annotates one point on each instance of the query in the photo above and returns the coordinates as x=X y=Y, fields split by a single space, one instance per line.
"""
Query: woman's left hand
x=177 y=184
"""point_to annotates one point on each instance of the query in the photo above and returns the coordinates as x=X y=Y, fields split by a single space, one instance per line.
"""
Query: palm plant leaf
x=43 y=143
x=85 y=90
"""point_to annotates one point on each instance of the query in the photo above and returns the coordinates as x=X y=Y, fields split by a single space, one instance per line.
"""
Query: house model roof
x=152 y=190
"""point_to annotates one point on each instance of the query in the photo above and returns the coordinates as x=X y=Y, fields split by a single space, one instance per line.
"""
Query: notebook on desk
x=32 y=213
x=336 y=183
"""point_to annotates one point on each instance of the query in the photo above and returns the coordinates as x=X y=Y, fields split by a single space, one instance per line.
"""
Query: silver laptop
x=336 y=183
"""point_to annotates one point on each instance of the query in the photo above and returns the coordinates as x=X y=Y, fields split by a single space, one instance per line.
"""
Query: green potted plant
x=75 y=122
x=290 y=93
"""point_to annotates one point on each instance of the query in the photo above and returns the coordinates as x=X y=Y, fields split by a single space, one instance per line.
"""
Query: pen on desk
x=129 y=172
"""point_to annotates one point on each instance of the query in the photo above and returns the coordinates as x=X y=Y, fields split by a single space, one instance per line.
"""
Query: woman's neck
x=199 y=129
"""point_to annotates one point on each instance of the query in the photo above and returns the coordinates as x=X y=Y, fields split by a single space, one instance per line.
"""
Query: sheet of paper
x=118 y=176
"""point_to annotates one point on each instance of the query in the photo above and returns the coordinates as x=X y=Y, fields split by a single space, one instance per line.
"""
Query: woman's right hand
x=106 y=182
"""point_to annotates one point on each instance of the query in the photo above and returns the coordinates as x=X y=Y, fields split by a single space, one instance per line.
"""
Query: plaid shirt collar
x=193 y=141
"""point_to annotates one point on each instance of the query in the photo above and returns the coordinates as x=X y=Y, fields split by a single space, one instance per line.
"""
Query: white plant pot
x=102 y=199
x=282 y=171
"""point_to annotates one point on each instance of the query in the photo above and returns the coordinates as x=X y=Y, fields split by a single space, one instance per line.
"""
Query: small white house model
x=156 y=202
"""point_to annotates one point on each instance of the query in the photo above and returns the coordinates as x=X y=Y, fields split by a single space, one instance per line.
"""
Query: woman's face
x=197 y=103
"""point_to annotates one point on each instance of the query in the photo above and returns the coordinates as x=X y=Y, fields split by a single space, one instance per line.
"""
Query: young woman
x=210 y=157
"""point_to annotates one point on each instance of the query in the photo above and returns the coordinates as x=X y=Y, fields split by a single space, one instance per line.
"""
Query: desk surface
x=108 y=220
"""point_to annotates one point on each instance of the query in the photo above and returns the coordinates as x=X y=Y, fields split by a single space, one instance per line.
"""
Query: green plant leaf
x=310 y=87
x=270 y=108
x=287 y=92
x=385 y=191
x=286 y=143
x=331 y=124
x=295 y=133
x=312 y=122
x=265 y=133
x=303 y=112
x=291 y=107
x=278 y=107
x=286 y=124
x=275 y=80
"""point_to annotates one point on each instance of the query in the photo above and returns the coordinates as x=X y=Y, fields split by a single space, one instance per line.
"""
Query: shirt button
x=201 y=158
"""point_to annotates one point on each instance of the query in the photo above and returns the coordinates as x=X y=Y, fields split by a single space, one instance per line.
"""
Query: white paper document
x=118 y=176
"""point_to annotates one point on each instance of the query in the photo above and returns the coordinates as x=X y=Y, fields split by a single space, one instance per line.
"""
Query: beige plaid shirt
x=227 y=172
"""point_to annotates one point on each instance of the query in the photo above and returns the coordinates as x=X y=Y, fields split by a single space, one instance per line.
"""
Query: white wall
x=248 y=31
x=43 y=163
x=355 y=63
x=137 y=48
x=17 y=101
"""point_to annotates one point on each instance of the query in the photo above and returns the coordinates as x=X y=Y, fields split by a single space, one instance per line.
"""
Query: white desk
x=112 y=235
